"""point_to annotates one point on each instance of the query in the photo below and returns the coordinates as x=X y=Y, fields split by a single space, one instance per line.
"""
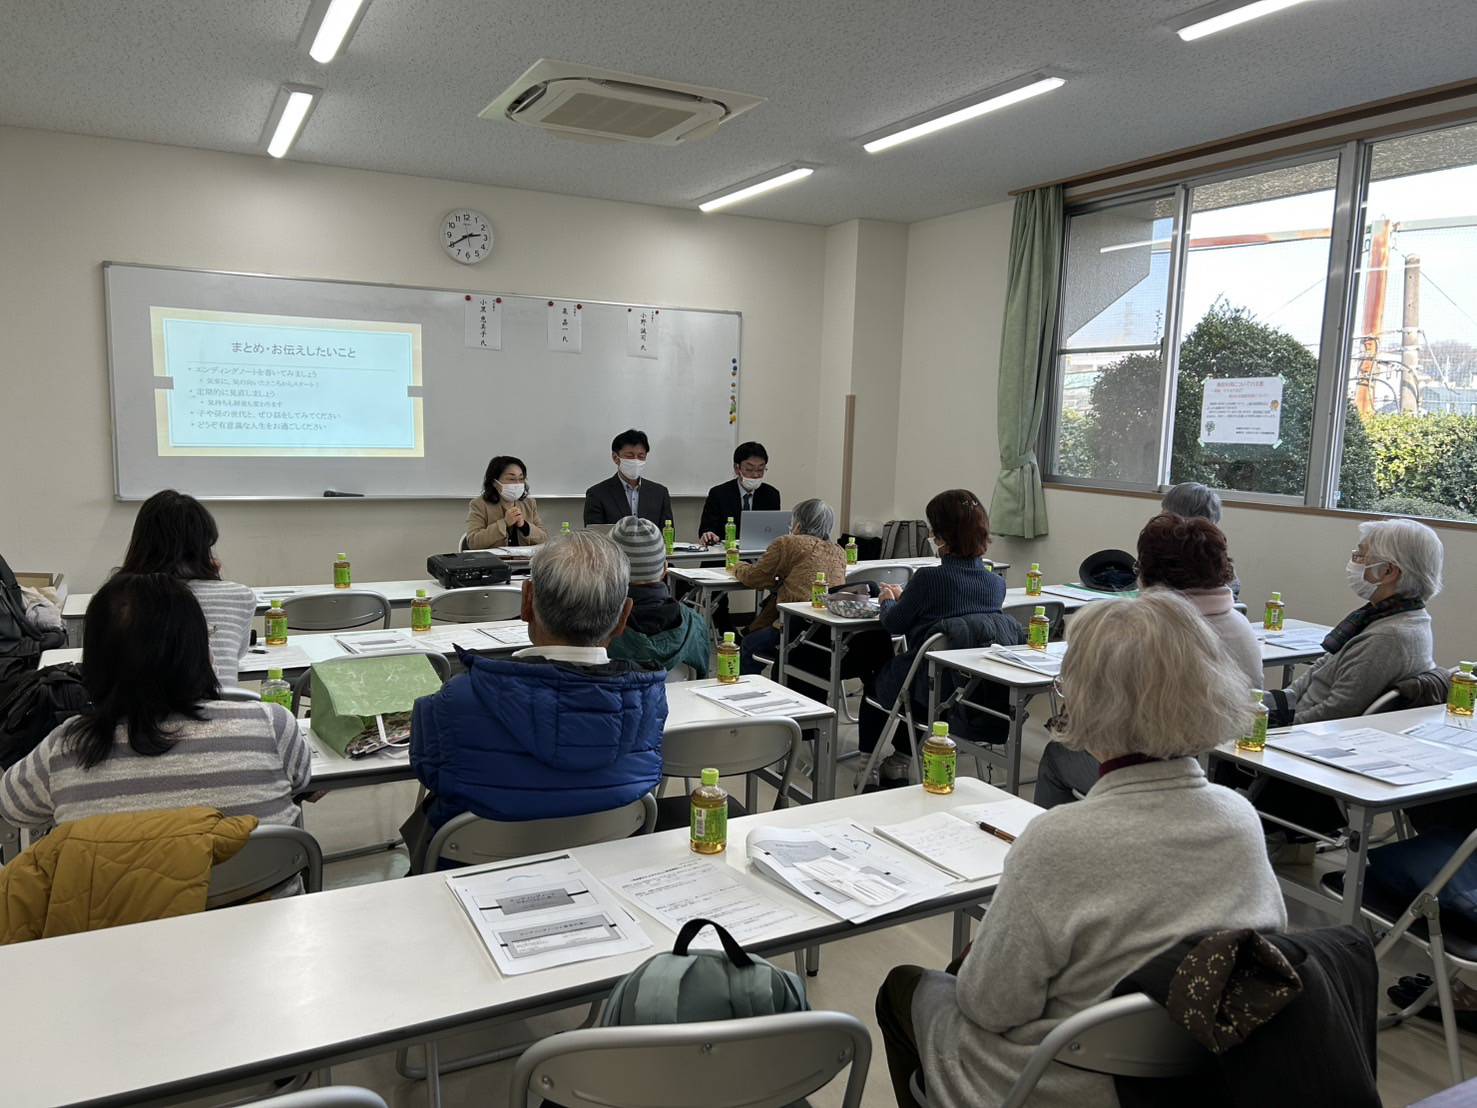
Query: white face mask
x=1362 y=589
x=751 y=483
x=631 y=468
x=512 y=492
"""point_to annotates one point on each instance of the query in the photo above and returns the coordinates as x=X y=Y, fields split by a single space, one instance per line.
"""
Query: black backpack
x=20 y=643
x=35 y=704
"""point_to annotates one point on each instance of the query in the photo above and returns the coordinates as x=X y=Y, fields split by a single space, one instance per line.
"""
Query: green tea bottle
x=564 y=528
x=1038 y=631
x=1033 y=580
x=940 y=761
x=730 y=532
x=276 y=691
x=1275 y=615
x=730 y=555
x=728 y=660
x=818 y=591
x=1256 y=736
x=420 y=612
x=669 y=537
x=709 y=815
x=1463 y=696
x=276 y=624
x=341 y=572
x=851 y=550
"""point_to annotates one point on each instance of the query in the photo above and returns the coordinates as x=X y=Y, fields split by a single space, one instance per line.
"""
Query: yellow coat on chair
x=106 y=871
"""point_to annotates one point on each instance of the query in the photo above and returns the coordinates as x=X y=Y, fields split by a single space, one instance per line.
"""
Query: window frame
x=1354 y=159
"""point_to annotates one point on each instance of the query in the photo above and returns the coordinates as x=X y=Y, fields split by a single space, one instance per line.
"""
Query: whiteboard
x=555 y=409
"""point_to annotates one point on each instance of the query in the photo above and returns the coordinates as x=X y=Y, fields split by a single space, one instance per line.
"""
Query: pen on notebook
x=1003 y=836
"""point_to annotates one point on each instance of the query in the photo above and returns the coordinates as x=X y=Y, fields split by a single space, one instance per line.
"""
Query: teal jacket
x=663 y=632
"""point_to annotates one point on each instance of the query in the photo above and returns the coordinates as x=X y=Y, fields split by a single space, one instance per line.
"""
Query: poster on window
x=1246 y=411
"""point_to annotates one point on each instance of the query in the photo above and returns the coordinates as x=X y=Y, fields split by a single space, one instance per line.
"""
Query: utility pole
x=1374 y=313
x=1410 y=336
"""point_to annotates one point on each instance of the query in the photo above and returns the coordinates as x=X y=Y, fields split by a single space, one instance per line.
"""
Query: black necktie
x=748 y=502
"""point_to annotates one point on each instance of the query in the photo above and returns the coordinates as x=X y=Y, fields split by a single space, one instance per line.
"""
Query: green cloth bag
x=348 y=694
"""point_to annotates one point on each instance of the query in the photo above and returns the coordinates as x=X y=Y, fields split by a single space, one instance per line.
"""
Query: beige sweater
x=791 y=563
x=486 y=527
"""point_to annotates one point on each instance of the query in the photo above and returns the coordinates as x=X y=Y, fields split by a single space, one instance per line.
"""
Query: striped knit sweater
x=229 y=611
x=955 y=587
x=246 y=759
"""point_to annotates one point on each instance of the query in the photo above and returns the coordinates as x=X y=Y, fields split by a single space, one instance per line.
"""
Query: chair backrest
x=236 y=692
x=302 y=685
x=477 y=605
x=1385 y=702
x=732 y=747
x=881 y=575
x=759 y=1062
x=272 y=855
x=1056 y=611
x=339 y=610
x=330 y=1096
x=471 y=840
x=1128 y=1036
x=679 y=673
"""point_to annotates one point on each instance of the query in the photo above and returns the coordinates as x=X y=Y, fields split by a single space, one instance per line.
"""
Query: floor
x=1412 y=1061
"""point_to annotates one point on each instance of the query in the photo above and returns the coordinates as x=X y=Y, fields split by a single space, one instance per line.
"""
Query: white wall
x=67 y=203
x=947 y=436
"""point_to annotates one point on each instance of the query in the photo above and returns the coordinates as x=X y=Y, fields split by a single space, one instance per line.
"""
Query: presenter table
x=1363 y=797
x=222 y=1000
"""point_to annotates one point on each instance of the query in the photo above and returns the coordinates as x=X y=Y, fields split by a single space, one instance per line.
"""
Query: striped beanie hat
x=644 y=548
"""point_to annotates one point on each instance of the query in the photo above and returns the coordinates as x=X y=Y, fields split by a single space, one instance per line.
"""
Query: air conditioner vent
x=599 y=104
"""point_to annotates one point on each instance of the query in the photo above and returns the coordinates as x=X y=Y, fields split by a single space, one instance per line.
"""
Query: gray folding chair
x=1127 y=1036
x=1056 y=611
x=469 y=839
x=339 y=610
x=759 y=1062
x=302 y=686
x=272 y=855
x=1419 y=923
x=477 y=605
x=739 y=746
x=236 y=692
x=881 y=575
x=900 y=711
x=332 y=1096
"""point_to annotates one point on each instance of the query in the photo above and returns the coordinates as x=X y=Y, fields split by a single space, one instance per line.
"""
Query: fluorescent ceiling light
x=951 y=114
x=289 y=113
x=330 y=23
x=1131 y=245
x=1232 y=16
x=765 y=184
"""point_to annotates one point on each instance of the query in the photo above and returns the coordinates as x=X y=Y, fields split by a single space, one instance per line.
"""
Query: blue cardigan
x=955 y=587
x=525 y=738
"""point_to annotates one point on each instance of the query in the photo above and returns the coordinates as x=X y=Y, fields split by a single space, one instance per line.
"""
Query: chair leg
x=433 y=1075
x=1443 y=993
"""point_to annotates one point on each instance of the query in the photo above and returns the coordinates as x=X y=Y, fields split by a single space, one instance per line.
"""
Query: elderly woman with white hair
x=789 y=566
x=1092 y=891
x=1395 y=570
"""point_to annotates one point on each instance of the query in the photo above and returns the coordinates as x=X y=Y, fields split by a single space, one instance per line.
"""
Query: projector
x=468 y=569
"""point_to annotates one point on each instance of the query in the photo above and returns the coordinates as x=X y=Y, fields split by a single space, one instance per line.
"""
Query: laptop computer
x=758 y=529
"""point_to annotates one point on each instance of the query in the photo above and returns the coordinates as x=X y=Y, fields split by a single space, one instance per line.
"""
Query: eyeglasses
x=1056 y=686
x=753 y=471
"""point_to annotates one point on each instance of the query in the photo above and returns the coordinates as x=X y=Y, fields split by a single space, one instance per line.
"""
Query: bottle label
x=939 y=769
x=731 y=559
x=340 y=577
x=1462 y=700
x=281 y=696
x=851 y=555
x=728 y=666
x=1272 y=621
x=1257 y=739
x=1033 y=584
x=420 y=617
x=817 y=595
x=1038 y=634
x=277 y=629
x=710 y=825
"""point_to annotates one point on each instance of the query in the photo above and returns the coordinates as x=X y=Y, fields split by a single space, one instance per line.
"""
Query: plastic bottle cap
x=669 y=523
x=1040 y=611
x=710 y=777
x=1276 y=596
x=820 y=578
x=1258 y=696
x=728 y=637
x=941 y=730
x=1035 y=567
x=420 y=594
x=274 y=675
x=1466 y=667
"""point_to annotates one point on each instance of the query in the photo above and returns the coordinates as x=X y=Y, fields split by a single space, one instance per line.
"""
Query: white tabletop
x=332 y=770
x=224 y=997
x=1353 y=787
x=398 y=593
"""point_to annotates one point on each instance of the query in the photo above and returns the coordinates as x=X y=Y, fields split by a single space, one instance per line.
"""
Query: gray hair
x=1193 y=500
x=813 y=517
x=1150 y=676
x=1412 y=546
x=579 y=586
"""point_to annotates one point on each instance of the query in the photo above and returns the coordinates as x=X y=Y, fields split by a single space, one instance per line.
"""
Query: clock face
x=466 y=235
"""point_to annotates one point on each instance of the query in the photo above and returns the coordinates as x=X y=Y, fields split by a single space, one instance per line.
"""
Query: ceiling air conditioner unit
x=601 y=105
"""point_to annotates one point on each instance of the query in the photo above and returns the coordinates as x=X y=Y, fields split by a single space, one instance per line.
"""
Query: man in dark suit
x=747 y=492
x=627 y=493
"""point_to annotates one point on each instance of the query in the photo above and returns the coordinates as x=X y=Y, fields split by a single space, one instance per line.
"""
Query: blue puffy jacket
x=525 y=738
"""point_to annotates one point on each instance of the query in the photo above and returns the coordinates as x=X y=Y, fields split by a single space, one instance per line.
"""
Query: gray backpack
x=906 y=538
x=683 y=987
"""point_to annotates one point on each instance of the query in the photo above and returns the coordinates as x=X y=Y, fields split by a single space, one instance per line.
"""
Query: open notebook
x=954 y=841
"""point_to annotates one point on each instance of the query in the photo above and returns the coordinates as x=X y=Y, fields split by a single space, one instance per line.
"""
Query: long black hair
x=495 y=470
x=146 y=654
x=173 y=533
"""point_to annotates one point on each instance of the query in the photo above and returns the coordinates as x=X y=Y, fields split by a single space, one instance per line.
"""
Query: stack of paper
x=1393 y=759
x=1047 y=662
x=750 y=698
x=845 y=869
x=1446 y=733
x=511 y=634
x=259 y=659
x=1077 y=592
x=549 y=912
x=376 y=642
x=709 y=888
x=1303 y=640
x=955 y=842
x=709 y=576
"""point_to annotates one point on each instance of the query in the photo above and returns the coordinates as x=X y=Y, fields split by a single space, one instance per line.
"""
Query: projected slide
x=231 y=384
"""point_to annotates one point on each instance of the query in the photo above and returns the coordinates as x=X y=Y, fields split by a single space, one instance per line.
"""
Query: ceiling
x=405 y=94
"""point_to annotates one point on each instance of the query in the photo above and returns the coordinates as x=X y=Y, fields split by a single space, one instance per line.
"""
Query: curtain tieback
x=1021 y=461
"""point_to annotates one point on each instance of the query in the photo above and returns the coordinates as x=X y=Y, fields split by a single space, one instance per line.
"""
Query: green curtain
x=1019 y=504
